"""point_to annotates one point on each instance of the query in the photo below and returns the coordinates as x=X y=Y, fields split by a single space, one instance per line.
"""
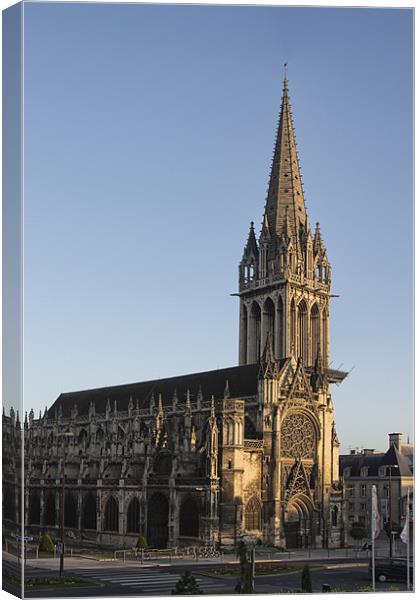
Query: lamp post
x=65 y=435
x=390 y=467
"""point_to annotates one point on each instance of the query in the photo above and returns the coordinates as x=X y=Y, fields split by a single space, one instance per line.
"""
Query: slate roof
x=374 y=461
x=243 y=381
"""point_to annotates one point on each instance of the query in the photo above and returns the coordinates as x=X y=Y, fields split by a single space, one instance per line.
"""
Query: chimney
x=395 y=438
x=352 y=451
x=369 y=451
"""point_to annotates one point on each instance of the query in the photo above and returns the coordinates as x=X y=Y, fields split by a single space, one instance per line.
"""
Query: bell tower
x=285 y=276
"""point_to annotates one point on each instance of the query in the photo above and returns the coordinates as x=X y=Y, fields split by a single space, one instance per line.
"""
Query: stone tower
x=284 y=278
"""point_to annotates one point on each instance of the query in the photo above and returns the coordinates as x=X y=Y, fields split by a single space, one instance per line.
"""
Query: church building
x=249 y=451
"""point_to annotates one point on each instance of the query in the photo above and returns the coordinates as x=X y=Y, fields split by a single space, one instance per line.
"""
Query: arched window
x=157 y=521
x=268 y=320
x=82 y=440
x=111 y=515
x=34 y=509
x=253 y=515
x=244 y=334
x=334 y=516
x=70 y=511
x=315 y=332
x=133 y=516
x=255 y=332
x=89 y=512
x=302 y=335
x=325 y=337
x=49 y=509
x=293 y=348
x=280 y=330
x=188 y=518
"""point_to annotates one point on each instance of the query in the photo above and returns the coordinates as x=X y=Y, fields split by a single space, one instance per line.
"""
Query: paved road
x=347 y=577
x=147 y=582
x=127 y=579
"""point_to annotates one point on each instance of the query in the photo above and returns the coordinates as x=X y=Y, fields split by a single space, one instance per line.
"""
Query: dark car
x=392 y=569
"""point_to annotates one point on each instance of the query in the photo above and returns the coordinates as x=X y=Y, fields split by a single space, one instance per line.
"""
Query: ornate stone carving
x=298 y=438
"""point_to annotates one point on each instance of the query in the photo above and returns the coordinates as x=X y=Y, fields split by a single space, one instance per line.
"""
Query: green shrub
x=187 y=586
x=306 y=580
x=142 y=542
x=46 y=544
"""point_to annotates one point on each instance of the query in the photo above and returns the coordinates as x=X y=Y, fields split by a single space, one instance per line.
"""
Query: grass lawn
x=37 y=583
x=260 y=569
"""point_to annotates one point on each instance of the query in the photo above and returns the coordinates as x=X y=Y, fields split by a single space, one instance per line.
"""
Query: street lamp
x=390 y=467
x=67 y=435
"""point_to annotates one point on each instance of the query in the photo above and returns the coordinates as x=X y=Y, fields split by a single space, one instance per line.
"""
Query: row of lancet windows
x=308 y=331
x=232 y=432
x=88 y=514
x=158 y=513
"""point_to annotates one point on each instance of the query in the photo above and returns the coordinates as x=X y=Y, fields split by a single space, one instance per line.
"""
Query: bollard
x=37 y=552
x=326 y=587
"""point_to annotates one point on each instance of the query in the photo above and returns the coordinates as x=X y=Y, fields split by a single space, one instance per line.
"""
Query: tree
x=306 y=580
x=358 y=531
x=187 y=586
x=141 y=543
x=46 y=544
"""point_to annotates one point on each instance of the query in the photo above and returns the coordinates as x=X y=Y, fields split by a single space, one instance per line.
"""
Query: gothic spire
x=285 y=190
x=251 y=248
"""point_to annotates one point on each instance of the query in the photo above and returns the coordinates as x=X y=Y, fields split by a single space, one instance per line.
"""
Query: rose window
x=298 y=437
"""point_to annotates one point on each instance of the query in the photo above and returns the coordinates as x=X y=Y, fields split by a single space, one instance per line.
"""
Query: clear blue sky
x=148 y=139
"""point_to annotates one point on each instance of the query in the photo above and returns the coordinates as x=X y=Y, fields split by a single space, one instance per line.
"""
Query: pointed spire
x=212 y=409
x=188 y=400
x=199 y=397
x=268 y=362
x=251 y=248
x=160 y=405
x=285 y=191
x=174 y=400
x=226 y=393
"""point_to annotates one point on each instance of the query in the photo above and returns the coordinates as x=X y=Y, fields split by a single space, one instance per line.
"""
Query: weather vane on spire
x=285 y=70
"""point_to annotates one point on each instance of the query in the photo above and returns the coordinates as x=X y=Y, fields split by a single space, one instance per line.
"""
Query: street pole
x=390 y=467
x=407 y=516
x=64 y=436
x=390 y=513
x=62 y=516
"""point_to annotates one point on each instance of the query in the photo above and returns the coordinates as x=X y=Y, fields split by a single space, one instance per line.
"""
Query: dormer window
x=364 y=471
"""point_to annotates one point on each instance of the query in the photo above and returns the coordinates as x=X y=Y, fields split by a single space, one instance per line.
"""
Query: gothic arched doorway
x=157 y=521
x=188 y=518
x=298 y=523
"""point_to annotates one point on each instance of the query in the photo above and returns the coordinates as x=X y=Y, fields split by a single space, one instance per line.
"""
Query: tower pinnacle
x=285 y=190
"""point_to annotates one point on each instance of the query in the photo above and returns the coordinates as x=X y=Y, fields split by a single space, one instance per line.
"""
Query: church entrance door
x=297 y=524
x=157 y=521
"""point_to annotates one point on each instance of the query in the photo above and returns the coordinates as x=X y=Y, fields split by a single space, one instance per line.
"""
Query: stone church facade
x=209 y=457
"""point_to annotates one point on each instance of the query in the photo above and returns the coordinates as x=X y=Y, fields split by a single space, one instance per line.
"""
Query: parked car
x=391 y=569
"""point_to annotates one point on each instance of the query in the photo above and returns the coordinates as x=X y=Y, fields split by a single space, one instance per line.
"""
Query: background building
x=390 y=471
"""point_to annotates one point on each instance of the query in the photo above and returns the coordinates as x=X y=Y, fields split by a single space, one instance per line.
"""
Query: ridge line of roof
x=151 y=381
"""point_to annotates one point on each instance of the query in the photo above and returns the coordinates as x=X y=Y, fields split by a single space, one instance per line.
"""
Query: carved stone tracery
x=298 y=437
